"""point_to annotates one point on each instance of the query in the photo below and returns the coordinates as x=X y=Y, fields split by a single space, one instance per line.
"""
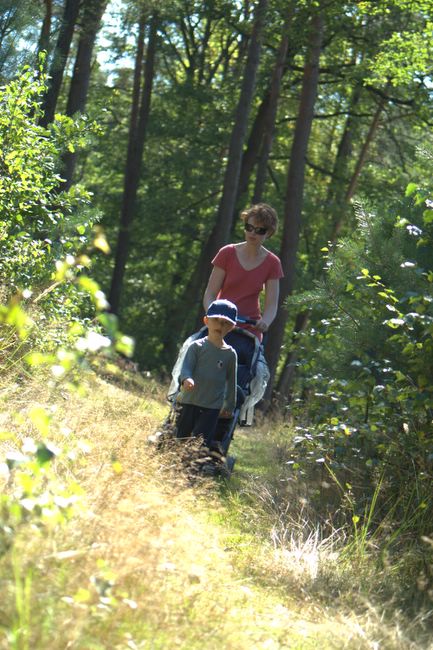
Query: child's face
x=218 y=326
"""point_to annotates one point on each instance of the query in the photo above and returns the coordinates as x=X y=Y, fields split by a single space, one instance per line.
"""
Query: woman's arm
x=215 y=283
x=272 y=292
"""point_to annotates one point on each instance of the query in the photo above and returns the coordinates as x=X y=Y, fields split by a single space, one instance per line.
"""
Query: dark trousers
x=197 y=421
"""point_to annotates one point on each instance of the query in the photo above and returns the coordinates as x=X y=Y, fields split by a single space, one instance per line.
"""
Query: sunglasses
x=257 y=229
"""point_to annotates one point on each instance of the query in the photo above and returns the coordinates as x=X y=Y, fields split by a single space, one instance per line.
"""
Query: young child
x=208 y=376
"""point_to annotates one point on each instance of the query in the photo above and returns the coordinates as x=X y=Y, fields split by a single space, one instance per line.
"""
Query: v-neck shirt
x=243 y=286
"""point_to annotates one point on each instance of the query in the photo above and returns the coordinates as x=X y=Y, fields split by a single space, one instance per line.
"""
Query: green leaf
x=395 y=322
x=410 y=189
x=40 y=419
x=427 y=217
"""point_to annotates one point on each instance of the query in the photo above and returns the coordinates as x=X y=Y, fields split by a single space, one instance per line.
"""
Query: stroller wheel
x=225 y=471
x=231 y=460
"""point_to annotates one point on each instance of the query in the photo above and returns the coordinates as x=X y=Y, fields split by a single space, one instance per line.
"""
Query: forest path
x=153 y=562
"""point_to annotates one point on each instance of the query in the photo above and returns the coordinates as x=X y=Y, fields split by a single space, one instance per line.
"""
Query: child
x=208 y=376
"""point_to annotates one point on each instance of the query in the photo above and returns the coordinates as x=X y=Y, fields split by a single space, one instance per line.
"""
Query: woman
x=241 y=271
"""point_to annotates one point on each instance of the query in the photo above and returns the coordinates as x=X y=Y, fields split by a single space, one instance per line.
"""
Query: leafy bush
x=46 y=234
x=366 y=378
x=38 y=222
x=52 y=317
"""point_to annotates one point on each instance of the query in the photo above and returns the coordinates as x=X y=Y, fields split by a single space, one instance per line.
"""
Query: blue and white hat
x=223 y=309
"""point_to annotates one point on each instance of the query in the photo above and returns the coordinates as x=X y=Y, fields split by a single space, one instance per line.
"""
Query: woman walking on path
x=241 y=271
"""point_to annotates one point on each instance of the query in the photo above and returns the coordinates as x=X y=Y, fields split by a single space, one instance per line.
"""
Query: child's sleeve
x=231 y=385
x=189 y=363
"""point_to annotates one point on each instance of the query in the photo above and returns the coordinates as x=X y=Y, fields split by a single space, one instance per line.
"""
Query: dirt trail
x=153 y=562
x=167 y=544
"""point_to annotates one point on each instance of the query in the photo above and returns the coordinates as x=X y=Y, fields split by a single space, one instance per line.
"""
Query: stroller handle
x=244 y=320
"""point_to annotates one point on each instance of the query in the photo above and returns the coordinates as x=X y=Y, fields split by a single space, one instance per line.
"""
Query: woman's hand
x=188 y=384
x=271 y=305
x=261 y=325
x=225 y=414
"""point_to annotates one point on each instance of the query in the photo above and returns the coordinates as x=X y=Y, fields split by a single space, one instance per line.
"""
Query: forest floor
x=151 y=560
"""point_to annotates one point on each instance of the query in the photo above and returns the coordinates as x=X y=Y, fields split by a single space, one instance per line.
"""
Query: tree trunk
x=44 y=36
x=287 y=375
x=6 y=21
x=336 y=206
x=359 y=165
x=294 y=193
x=221 y=230
x=256 y=149
x=363 y=153
x=252 y=150
x=137 y=133
x=335 y=201
x=77 y=98
x=269 y=123
x=58 y=64
x=231 y=178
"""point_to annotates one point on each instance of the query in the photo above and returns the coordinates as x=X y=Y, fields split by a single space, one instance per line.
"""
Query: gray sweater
x=214 y=372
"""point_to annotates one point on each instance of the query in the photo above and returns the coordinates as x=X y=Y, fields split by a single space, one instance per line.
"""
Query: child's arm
x=187 y=383
x=187 y=370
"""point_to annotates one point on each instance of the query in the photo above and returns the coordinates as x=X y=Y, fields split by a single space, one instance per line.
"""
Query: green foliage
x=18 y=31
x=46 y=235
x=38 y=223
x=403 y=56
x=368 y=362
x=53 y=321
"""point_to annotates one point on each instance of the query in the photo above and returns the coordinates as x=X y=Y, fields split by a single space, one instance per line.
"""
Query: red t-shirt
x=244 y=287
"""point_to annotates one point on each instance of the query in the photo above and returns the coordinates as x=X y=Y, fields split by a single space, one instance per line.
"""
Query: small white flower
x=4 y=471
x=96 y=341
x=92 y=342
x=408 y=265
x=101 y=300
x=57 y=371
x=413 y=230
x=29 y=446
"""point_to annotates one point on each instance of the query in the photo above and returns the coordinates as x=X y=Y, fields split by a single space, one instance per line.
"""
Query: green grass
x=149 y=560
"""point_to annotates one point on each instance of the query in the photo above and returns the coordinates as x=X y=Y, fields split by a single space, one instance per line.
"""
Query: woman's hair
x=263 y=214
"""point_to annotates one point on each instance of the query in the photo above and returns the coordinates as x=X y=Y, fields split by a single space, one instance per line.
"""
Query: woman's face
x=255 y=232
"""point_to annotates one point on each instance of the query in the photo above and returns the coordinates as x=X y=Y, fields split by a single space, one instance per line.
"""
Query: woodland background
x=133 y=133
x=188 y=112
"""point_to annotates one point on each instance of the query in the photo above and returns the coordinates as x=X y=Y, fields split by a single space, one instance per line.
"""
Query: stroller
x=252 y=379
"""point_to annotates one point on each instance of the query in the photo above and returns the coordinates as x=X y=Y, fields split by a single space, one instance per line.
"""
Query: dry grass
x=152 y=561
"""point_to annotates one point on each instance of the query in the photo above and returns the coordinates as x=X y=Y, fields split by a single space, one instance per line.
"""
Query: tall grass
x=148 y=560
x=342 y=556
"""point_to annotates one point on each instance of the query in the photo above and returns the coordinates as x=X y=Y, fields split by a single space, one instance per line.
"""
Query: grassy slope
x=152 y=561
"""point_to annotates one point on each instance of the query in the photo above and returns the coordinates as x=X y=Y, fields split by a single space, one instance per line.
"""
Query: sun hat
x=223 y=309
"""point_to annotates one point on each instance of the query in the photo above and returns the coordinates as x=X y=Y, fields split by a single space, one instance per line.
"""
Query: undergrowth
x=145 y=559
